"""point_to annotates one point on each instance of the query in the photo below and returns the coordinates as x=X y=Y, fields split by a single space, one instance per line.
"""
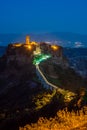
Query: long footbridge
x=44 y=81
x=46 y=84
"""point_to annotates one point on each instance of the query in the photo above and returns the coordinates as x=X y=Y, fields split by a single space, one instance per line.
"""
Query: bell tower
x=27 y=40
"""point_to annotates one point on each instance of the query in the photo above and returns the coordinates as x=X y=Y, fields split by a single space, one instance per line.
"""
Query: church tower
x=27 y=40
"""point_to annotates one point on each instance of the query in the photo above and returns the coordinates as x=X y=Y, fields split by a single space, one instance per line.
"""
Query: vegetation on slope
x=64 y=120
x=59 y=115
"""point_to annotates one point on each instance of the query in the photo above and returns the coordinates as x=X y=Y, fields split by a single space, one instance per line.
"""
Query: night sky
x=38 y=16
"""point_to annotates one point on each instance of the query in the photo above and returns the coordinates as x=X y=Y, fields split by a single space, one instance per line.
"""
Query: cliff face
x=56 y=54
x=15 y=67
x=19 y=55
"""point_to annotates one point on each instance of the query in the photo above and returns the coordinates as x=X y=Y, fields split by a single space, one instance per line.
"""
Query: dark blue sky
x=24 y=16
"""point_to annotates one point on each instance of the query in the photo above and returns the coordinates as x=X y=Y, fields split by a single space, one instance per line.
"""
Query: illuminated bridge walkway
x=45 y=82
x=69 y=95
x=43 y=79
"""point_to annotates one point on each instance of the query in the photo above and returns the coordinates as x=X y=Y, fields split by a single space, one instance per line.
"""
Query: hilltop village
x=38 y=48
x=22 y=52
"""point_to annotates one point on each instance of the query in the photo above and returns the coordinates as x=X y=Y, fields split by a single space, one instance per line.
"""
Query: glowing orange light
x=29 y=47
x=33 y=43
x=54 y=47
x=17 y=45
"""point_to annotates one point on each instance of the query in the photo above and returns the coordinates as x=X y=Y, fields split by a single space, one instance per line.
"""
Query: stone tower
x=27 y=39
